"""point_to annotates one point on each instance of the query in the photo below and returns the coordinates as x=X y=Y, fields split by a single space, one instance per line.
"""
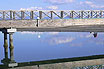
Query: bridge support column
x=12 y=62
x=6 y=59
x=9 y=62
x=6 y=45
x=11 y=47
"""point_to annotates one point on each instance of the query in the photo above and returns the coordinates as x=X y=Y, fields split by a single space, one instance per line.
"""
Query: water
x=36 y=46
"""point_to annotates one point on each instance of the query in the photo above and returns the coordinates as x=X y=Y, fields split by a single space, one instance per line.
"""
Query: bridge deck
x=56 y=25
x=81 y=28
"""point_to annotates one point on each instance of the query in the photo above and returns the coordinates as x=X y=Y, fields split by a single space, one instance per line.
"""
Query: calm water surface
x=36 y=46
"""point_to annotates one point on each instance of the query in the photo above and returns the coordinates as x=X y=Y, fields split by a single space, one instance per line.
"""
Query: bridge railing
x=50 y=14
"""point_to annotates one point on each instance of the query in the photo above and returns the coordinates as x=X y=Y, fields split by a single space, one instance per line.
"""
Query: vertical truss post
x=88 y=14
x=101 y=14
x=71 y=14
x=3 y=15
x=22 y=14
x=82 y=14
x=31 y=15
x=62 y=14
x=40 y=14
x=10 y=15
x=91 y=14
x=14 y=15
x=51 y=14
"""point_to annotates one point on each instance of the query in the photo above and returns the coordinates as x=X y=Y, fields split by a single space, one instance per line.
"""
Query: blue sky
x=52 y=4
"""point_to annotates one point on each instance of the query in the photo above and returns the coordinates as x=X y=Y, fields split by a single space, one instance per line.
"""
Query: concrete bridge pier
x=5 y=45
x=11 y=47
x=12 y=62
x=6 y=59
x=9 y=62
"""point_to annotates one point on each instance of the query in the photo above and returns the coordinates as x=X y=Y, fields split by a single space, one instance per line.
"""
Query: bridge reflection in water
x=87 y=62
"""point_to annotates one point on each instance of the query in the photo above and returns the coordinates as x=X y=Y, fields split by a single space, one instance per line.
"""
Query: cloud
x=32 y=8
x=53 y=33
x=52 y=7
x=59 y=1
x=91 y=4
x=32 y=33
x=100 y=42
x=86 y=35
x=49 y=33
x=76 y=44
x=61 y=40
x=97 y=41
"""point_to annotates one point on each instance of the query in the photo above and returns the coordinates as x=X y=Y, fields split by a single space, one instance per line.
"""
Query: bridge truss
x=50 y=14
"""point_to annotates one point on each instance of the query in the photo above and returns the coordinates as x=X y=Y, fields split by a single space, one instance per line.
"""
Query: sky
x=52 y=4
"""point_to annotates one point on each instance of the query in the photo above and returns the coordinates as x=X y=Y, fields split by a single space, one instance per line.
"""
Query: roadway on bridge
x=80 y=28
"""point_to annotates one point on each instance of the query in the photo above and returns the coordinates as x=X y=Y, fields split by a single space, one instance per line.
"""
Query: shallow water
x=36 y=46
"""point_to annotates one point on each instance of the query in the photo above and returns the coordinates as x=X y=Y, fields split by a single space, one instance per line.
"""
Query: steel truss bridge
x=49 y=14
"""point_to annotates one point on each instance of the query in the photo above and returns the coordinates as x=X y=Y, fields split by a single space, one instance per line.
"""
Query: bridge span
x=53 y=20
x=47 y=21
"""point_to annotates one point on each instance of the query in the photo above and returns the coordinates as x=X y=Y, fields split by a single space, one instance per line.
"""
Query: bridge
x=47 y=21
x=53 y=20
